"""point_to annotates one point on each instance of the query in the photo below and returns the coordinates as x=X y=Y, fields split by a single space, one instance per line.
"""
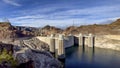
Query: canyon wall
x=108 y=41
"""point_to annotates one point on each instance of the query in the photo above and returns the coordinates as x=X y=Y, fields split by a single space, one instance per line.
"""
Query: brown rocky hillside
x=9 y=31
x=47 y=30
x=6 y=30
x=117 y=22
x=113 y=28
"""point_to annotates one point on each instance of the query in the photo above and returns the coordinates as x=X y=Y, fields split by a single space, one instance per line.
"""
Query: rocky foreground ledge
x=32 y=53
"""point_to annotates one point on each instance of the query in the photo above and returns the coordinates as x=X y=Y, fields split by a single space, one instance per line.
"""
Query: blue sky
x=59 y=13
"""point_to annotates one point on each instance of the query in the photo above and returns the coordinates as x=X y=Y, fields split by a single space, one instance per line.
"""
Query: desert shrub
x=4 y=56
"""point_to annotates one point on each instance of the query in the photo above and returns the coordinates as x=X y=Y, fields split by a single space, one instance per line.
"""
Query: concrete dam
x=58 y=43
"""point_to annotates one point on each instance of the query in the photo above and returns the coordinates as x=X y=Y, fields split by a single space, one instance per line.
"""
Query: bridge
x=57 y=44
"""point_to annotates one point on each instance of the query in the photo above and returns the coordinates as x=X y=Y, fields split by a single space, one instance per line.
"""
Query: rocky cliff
x=9 y=33
x=37 y=51
x=117 y=22
x=30 y=53
x=6 y=31
x=108 y=42
x=23 y=31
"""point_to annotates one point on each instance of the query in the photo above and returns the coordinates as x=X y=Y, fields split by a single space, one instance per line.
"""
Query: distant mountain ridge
x=51 y=30
x=9 y=31
x=112 y=28
x=117 y=22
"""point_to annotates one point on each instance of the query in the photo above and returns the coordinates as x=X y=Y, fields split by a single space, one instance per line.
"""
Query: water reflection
x=85 y=57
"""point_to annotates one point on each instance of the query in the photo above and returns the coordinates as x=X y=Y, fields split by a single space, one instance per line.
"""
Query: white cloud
x=42 y=22
x=98 y=14
x=93 y=11
x=11 y=2
x=59 y=23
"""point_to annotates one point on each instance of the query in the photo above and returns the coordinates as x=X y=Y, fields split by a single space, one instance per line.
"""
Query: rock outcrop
x=9 y=32
x=98 y=29
x=25 y=31
x=117 y=22
x=108 y=42
x=35 y=44
x=6 y=31
x=37 y=51
x=31 y=53
x=47 y=30
x=40 y=59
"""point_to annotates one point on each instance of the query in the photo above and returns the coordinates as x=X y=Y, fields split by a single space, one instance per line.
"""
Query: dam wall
x=57 y=44
x=69 y=41
x=100 y=41
x=44 y=39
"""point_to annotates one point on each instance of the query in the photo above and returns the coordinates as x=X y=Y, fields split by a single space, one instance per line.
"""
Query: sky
x=61 y=13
